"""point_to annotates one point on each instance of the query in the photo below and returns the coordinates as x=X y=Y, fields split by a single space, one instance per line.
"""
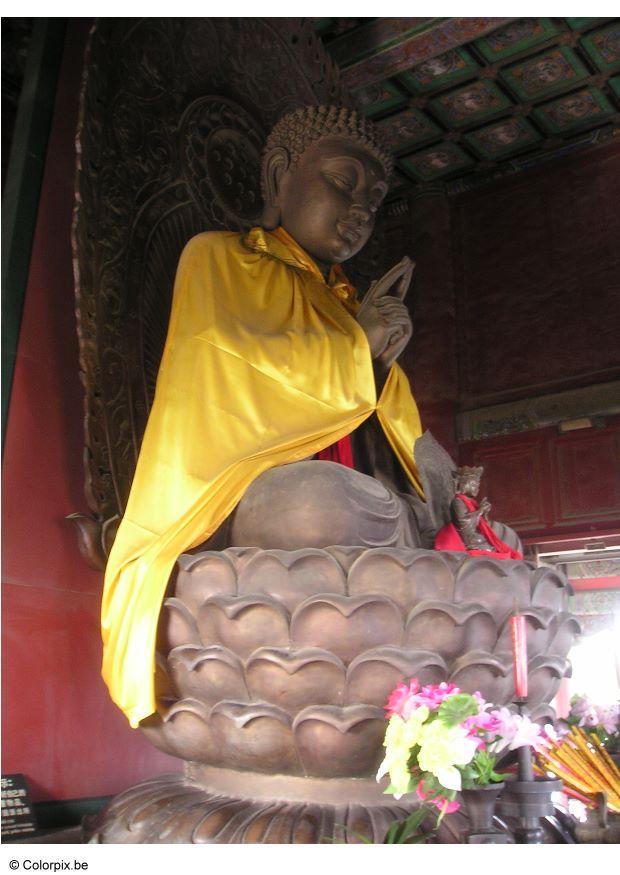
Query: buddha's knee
x=316 y=504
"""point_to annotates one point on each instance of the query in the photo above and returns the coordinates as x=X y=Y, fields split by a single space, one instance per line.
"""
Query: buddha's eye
x=341 y=181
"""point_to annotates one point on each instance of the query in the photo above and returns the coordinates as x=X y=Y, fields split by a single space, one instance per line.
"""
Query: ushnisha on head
x=325 y=172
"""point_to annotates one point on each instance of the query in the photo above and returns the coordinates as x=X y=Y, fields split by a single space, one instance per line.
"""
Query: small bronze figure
x=465 y=517
x=470 y=529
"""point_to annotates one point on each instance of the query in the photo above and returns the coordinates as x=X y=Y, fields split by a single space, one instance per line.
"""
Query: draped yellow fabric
x=264 y=364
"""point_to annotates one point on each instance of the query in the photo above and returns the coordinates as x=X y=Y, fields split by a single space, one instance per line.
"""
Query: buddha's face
x=469 y=484
x=329 y=201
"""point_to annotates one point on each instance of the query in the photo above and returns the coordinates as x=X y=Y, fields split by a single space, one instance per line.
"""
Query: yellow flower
x=400 y=736
x=442 y=748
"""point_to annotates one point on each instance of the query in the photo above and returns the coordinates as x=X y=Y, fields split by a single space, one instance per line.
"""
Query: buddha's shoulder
x=213 y=244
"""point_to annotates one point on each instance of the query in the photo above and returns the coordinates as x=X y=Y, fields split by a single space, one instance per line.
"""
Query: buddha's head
x=467 y=480
x=325 y=173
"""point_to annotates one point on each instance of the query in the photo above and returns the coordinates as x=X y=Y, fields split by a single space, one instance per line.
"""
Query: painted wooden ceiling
x=464 y=100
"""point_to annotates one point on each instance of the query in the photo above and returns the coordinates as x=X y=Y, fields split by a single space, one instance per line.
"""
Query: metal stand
x=480 y=805
x=528 y=799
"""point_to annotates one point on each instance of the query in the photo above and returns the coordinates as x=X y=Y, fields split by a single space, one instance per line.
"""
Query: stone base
x=221 y=806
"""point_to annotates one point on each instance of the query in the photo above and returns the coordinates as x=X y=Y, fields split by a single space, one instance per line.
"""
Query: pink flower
x=482 y=704
x=485 y=726
x=447 y=805
x=607 y=717
x=405 y=699
x=554 y=734
x=527 y=734
x=443 y=804
x=589 y=717
x=580 y=705
x=399 y=701
x=505 y=728
x=433 y=695
x=514 y=730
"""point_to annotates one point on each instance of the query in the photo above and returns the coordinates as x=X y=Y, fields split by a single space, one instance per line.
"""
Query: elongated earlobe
x=275 y=165
x=270 y=218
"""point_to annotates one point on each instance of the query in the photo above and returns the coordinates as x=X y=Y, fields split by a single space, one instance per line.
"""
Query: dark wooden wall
x=516 y=295
x=547 y=483
x=537 y=269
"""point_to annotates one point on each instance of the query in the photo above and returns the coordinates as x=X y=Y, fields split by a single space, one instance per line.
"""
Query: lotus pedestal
x=274 y=667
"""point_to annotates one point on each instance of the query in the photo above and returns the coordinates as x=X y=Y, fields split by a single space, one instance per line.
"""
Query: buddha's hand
x=383 y=315
x=485 y=507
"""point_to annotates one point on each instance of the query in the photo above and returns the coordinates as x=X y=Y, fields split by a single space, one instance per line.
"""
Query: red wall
x=60 y=728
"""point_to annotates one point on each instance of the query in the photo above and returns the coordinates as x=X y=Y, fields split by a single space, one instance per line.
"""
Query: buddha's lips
x=350 y=233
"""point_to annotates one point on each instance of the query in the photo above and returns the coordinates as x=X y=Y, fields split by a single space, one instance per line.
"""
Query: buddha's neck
x=324 y=268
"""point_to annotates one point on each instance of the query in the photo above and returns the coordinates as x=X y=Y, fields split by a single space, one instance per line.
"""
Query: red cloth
x=449 y=538
x=340 y=452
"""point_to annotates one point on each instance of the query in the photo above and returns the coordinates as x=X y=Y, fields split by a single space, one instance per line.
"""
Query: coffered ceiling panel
x=464 y=100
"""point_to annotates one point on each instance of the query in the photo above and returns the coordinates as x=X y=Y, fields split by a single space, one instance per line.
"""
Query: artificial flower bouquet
x=603 y=720
x=440 y=741
x=579 y=750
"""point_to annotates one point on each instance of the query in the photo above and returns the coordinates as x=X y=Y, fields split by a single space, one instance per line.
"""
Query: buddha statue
x=270 y=364
x=284 y=450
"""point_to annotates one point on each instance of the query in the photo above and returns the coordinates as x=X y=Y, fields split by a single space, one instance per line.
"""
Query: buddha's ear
x=275 y=165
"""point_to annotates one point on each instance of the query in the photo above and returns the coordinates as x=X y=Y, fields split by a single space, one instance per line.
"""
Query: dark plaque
x=18 y=818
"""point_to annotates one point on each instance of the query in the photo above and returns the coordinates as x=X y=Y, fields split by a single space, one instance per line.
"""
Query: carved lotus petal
x=240 y=556
x=216 y=820
x=254 y=736
x=347 y=626
x=156 y=732
x=209 y=674
x=243 y=624
x=336 y=742
x=543 y=714
x=493 y=583
x=345 y=556
x=372 y=676
x=153 y=810
x=450 y=630
x=184 y=731
x=291 y=577
x=550 y=589
x=563 y=630
x=292 y=678
x=538 y=632
x=488 y=674
x=405 y=576
x=177 y=626
x=544 y=676
x=203 y=575
x=164 y=688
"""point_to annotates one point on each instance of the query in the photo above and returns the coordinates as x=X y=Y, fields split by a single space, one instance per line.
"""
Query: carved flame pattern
x=173 y=116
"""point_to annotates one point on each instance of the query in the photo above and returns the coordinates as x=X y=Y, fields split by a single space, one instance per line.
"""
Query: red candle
x=519 y=654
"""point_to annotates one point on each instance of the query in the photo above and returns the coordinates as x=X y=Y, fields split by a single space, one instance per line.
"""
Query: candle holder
x=480 y=803
x=528 y=799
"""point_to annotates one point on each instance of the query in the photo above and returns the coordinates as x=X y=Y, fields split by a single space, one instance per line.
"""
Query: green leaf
x=391 y=833
x=405 y=831
x=455 y=709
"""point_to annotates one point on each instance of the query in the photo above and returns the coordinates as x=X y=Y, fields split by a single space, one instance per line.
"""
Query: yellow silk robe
x=263 y=365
